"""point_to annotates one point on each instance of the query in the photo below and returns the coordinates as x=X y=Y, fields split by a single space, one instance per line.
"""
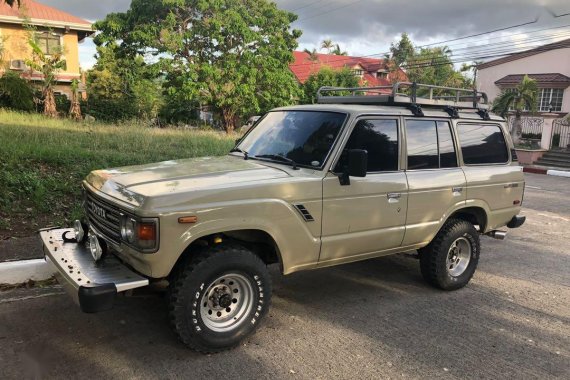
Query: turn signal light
x=187 y=219
x=147 y=231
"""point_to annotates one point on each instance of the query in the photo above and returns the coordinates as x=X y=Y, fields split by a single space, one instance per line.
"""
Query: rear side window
x=430 y=145
x=482 y=144
x=380 y=139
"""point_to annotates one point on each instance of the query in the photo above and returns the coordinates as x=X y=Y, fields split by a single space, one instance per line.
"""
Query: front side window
x=482 y=144
x=305 y=137
x=380 y=139
x=48 y=42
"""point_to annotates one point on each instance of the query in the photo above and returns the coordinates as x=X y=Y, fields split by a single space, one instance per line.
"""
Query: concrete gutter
x=18 y=272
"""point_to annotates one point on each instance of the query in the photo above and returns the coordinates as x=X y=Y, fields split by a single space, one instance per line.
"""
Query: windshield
x=301 y=137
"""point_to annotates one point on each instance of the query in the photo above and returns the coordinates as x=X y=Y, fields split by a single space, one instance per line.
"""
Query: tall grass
x=42 y=161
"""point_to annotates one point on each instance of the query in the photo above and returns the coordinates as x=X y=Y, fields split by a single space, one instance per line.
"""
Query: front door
x=367 y=216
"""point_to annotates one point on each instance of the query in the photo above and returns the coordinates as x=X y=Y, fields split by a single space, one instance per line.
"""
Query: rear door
x=436 y=182
x=493 y=180
x=368 y=216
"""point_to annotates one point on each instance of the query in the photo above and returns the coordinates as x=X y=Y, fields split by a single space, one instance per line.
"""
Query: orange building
x=55 y=29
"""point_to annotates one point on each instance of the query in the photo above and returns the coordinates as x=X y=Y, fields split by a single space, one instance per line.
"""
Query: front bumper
x=92 y=285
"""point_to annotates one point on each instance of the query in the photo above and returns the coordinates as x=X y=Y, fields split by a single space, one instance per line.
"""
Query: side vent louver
x=306 y=214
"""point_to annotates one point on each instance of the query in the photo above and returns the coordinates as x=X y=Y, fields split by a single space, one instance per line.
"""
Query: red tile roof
x=36 y=11
x=303 y=67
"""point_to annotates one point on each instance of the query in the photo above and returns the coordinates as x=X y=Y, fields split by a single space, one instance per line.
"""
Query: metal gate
x=560 y=134
x=531 y=127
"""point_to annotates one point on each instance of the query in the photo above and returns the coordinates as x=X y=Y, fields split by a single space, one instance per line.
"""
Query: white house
x=549 y=65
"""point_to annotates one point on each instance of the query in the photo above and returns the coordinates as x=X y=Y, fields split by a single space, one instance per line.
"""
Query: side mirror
x=357 y=165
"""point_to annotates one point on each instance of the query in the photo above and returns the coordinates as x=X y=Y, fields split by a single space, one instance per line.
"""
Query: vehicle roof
x=361 y=109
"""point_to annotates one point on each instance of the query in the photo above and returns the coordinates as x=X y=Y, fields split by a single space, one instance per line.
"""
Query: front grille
x=104 y=217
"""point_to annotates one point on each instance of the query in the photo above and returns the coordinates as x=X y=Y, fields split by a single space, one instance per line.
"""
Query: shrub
x=62 y=104
x=110 y=109
x=16 y=93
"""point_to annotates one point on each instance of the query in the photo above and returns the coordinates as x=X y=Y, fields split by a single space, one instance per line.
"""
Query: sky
x=367 y=27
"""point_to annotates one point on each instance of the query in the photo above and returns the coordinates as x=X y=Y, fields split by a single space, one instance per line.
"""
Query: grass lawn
x=42 y=162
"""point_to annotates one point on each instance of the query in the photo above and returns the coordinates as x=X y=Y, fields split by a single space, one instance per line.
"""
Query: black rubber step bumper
x=95 y=298
x=516 y=221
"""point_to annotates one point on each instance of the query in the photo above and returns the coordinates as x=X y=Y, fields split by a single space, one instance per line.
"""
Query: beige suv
x=364 y=173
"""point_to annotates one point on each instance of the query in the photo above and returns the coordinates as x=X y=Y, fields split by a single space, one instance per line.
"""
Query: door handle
x=457 y=191
x=394 y=197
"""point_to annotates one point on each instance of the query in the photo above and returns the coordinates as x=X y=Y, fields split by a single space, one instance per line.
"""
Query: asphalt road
x=374 y=319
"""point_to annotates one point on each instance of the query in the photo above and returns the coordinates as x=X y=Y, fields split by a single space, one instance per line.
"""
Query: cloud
x=369 y=26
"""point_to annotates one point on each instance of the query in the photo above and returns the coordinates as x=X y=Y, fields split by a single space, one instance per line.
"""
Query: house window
x=358 y=72
x=545 y=98
x=49 y=43
x=382 y=75
x=550 y=97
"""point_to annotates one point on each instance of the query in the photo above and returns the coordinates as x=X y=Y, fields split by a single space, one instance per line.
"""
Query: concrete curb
x=554 y=172
x=18 y=272
x=559 y=173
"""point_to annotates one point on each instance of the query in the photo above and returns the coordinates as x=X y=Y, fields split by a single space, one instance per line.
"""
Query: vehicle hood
x=133 y=184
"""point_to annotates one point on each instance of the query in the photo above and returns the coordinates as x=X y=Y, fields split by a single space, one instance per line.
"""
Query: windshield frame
x=329 y=153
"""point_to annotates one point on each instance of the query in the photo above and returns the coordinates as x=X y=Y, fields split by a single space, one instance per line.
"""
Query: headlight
x=141 y=234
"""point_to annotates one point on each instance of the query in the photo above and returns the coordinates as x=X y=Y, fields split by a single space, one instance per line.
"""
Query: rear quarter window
x=482 y=144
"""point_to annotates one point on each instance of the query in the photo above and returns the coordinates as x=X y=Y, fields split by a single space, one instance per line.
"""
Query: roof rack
x=406 y=93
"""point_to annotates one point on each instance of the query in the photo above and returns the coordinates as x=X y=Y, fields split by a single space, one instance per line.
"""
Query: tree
x=327 y=45
x=50 y=66
x=231 y=54
x=401 y=51
x=327 y=77
x=338 y=51
x=428 y=65
x=75 y=108
x=126 y=86
x=313 y=55
x=524 y=96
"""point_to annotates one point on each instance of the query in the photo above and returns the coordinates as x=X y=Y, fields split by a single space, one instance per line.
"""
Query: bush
x=16 y=93
x=62 y=104
x=110 y=109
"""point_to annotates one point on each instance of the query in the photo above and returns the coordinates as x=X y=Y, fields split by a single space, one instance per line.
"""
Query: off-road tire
x=433 y=258
x=193 y=278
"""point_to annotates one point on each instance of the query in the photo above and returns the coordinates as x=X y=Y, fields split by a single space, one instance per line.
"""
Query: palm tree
x=327 y=45
x=338 y=51
x=313 y=55
x=522 y=97
x=49 y=65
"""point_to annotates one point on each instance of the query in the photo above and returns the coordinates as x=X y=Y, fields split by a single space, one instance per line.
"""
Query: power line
x=476 y=49
x=306 y=5
x=331 y=10
x=481 y=34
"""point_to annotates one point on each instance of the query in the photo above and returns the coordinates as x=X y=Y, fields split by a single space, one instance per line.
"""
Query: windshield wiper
x=278 y=157
x=245 y=154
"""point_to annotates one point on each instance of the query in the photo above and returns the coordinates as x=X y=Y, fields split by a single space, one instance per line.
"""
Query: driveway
x=373 y=319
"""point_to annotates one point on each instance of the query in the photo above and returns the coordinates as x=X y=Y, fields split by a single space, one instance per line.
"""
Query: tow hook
x=499 y=235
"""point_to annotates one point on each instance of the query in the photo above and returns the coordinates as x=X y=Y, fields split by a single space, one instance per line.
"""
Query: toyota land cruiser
x=353 y=177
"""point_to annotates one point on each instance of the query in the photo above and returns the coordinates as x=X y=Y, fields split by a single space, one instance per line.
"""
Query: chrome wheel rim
x=458 y=257
x=226 y=302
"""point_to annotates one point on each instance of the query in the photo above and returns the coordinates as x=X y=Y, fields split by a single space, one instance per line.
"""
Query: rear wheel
x=218 y=297
x=451 y=259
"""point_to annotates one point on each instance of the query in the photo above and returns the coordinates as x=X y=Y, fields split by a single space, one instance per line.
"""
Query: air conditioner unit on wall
x=18 y=64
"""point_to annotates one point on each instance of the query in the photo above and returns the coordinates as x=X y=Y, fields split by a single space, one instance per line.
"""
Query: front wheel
x=218 y=297
x=450 y=260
